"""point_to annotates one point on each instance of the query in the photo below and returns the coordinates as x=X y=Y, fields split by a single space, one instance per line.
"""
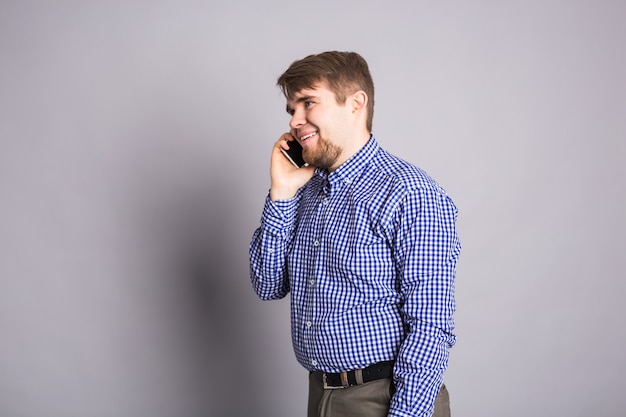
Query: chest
x=345 y=232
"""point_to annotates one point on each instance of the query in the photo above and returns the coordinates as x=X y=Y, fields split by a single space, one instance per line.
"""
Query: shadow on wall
x=186 y=213
x=124 y=283
x=218 y=290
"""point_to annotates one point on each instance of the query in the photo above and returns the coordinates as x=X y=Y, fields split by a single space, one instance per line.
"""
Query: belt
x=346 y=379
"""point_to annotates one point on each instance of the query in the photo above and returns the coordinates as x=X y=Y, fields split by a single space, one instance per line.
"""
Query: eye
x=308 y=103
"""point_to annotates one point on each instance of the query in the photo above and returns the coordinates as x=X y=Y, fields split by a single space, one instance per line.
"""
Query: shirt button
x=309 y=324
x=314 y=362
x=316 y=243
x=312 y=282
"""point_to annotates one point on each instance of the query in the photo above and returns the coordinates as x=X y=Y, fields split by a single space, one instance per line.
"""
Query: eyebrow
x=299 y=100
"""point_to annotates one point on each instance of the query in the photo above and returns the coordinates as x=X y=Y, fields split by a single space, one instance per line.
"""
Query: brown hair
x=343 y=72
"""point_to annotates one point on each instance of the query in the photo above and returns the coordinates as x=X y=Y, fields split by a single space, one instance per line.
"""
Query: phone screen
x=294 y=153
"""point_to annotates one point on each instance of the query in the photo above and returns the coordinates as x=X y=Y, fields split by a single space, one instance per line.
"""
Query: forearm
x=423 y=356
x=419 y=370
x=268 y=250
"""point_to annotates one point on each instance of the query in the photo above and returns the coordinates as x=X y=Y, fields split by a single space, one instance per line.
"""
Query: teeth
x=305 y=137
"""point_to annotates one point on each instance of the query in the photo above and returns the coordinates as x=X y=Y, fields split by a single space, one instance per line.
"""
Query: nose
x=298 y=119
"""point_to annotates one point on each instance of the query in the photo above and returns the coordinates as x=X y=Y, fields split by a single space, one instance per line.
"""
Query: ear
x=358 y=101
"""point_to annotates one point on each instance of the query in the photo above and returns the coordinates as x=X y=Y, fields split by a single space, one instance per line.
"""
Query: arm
x=427 y=248
x=268 y=249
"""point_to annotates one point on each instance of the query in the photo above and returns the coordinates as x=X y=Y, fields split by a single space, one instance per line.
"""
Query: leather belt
x=346 y=379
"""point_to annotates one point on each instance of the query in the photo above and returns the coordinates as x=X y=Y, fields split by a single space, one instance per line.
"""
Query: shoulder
x=401 y=175
x=409 y=193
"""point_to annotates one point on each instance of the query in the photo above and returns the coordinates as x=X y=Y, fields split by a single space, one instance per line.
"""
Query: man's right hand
x=286 y=178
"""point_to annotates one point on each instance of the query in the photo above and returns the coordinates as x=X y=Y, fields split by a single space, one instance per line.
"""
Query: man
x=365 y=243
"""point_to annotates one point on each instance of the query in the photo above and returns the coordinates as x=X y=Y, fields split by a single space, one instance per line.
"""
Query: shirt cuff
x=279 y=216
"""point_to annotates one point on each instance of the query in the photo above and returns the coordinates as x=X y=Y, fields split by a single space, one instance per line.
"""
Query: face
x=321 y=125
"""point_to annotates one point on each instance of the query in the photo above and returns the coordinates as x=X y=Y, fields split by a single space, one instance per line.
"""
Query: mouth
x=305 y=137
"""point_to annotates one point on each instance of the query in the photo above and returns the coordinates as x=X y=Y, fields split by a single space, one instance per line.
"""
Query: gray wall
x=134 y=150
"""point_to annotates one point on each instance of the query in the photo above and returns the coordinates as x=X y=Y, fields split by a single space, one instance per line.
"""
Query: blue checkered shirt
x=368 y=253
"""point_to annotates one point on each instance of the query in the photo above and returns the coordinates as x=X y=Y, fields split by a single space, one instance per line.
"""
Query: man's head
x=342 y=72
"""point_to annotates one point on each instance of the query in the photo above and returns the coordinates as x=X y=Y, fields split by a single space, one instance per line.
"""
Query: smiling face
x=329 y=132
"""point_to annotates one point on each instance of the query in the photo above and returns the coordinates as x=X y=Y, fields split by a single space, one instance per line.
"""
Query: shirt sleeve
x=268 y=249
x=426 y=249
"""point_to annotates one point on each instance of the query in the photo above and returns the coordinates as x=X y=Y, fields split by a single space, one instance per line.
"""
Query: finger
x=284 y=139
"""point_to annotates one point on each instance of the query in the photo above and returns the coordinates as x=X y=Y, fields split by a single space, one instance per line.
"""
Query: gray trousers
x=368 y=400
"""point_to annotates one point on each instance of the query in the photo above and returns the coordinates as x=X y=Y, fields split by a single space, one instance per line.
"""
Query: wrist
x=282 y=193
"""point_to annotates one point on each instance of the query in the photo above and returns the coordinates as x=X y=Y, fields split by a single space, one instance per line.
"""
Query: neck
x=355 y=146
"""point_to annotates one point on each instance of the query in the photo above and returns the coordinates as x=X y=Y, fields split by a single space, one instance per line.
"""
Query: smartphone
x=294 y=154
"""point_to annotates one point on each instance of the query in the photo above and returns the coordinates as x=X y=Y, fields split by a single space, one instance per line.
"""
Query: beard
x=324 y=155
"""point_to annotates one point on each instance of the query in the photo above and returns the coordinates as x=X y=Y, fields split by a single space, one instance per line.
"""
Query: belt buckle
x=326 y=386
